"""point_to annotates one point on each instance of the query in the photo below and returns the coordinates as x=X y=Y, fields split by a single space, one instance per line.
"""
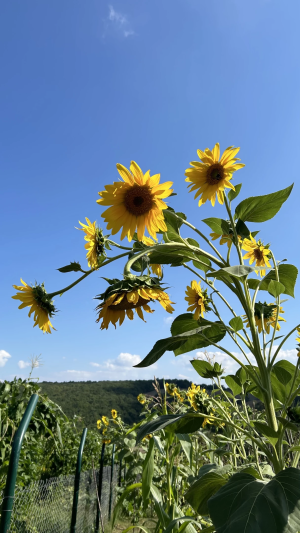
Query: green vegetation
x=92 y=399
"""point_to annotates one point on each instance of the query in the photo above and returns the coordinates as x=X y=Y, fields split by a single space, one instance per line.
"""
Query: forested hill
x=92 y=399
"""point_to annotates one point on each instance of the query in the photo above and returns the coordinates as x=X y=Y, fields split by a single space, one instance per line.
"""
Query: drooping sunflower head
x=95 y=245
x=135 y=203
x=114 y=414
x=257 y=252
x=39 y=302
x=265 y=316
x=99 y=424
x=197 y=299
x=212 y=174
x=124 y=297
x=171 y=389
x=105 y=421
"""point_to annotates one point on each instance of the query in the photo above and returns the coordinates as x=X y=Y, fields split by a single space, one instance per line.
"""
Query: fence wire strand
x=46 y=506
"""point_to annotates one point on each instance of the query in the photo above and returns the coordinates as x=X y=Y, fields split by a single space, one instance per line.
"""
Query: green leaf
x=262 y=208
x=236 y=323
x=253 y=283
x=217 y=225
x=287 y=424
x=238 y=271
x=198 y=263
x=233 y=194
x=215 y=333
x=275 y=288
x=206 y=370
x=203 y=489
x=287 y=276
x=234 y=384
x=267 y=431
x=242 y=229
x=123 y=496
x=184 y=423
x=248 y=505
x=148 y=471
x=72 y=267
x=171 y=343
x=174 y=257
x=187 y=446
x=184 y=521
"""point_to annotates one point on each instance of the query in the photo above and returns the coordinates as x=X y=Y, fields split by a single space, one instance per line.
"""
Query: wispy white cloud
x=118 y=22
x=168 y=319
x=23 y=364
x=4 y=357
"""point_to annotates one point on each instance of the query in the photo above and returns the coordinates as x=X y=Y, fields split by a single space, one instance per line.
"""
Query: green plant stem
x=237 y=244
x=203 y=237
x=52 y=294
x=119 y=245
x=278 y=307
x=281 y=344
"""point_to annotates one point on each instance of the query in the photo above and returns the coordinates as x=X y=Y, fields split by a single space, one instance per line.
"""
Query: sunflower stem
x=281 y=344
x=277 y=310
x=52 y=294
x=237 y=244
x=203 y=237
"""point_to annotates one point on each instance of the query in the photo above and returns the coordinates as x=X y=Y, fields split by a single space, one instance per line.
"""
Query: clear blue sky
x=85 y=85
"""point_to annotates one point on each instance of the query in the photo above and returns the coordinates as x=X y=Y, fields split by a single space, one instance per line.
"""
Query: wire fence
x=46 y=506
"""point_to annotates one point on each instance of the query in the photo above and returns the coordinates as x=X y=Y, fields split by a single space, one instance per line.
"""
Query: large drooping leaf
x=203 y=489
x=206 y=370
x=217 y=225
x=287 y=276
x=186 y=423
x=234 y=384
x=282 y=380
x=267 y=431
x=185 y=322
x=171 y=343
x=171 y=257
x=148 y=471
x=237 y=271
x=262 y=208
x=248 y=505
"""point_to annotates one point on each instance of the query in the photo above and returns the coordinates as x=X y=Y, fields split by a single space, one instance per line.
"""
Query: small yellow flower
x=98 y=424
x=106 y=441
x=212 y=175
x=141 y=398
x=114 y=413
x=39 y=302
x=256 y=252
x=95 y=243
x=197 y=299
x=105 y=420
x=156 y=269
x=135 y=203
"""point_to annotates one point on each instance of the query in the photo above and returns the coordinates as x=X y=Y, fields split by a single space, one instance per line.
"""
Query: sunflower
x=156 y=269
x=265 y=316
x=136 y=202
x=95 y=243
x=99 y=423
x=114 y=413
x=298 y=332
x=211 y=176
x=200 y=401
x=132 y=295
x=197 y=299
x=105 y=421
x=106 y=441
x=142 y=399
x=257 y=252
x=39 y=302
x=171 y=389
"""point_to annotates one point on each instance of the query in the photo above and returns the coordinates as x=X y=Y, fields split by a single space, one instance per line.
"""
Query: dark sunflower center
x=215 y=173
x=124 y=304
x=258 y=254
x=139 y=200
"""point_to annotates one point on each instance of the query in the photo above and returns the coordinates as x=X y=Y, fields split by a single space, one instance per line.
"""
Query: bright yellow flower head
x=123 y=303
x=95 y=243
x=105 y=420
x=298 y=338
x=156 y=269
x=99 y=424
x=136 y=203
x=106 y=441
x=256 y=252
x=39 y=302
x=197 y=299
x=211 y=176
x=114 y=413
x=265 y=316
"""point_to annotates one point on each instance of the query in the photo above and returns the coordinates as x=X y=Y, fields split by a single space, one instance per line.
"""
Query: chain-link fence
x=46 y=506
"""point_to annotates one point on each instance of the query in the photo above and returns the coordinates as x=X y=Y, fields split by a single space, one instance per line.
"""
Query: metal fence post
x=100 y=487
x=77 y=481
x=9 y=492
x=111 y=481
